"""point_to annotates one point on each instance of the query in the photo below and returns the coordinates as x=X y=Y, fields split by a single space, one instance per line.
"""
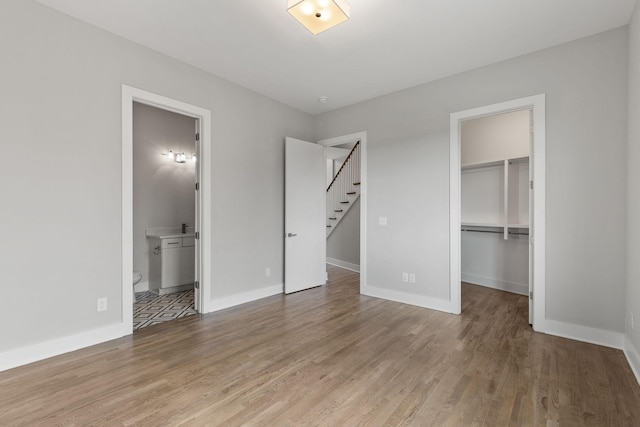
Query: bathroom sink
x=171 y=235
x=169 y=232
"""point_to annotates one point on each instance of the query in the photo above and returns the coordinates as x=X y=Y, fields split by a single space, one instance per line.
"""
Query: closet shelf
x=481 y=224
x=481 y=165
x=495 y=194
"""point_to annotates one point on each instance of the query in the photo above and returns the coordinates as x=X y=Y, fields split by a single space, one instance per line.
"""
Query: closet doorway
x=497 y=180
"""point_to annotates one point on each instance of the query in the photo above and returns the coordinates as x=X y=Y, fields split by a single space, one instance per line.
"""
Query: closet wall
x=495 y=201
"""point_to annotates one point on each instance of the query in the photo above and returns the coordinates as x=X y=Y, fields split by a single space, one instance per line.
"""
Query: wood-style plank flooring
x=329 y=356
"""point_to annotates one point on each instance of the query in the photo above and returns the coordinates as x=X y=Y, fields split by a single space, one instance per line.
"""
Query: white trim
x=502 y=285
x=537 y=103
x=344 y=139
x=245 y=297
x=410 y=298
x=343 y=264
x=364 y=185
x=35 y=352
x=584 y=334
x=362 y=136
x=129 y=95
x=633 y=358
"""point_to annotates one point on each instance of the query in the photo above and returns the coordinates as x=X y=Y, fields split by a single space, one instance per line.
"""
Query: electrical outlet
x=267 y=272
x=412 y=278
x=405 y=277
x=102 y=304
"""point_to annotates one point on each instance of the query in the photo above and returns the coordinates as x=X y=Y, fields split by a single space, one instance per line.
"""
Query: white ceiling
x=387 y=45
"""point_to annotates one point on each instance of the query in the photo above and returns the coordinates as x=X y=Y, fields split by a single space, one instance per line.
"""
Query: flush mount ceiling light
x=319 y=15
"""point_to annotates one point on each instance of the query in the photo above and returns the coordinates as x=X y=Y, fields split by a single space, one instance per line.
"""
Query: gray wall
x=497 y=137
x=61 y=114
x=344 y=243
x=163 y=190
x=633 y=191
x=408 y=170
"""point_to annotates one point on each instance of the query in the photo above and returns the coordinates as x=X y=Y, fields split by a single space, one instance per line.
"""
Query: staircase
x=344 y=190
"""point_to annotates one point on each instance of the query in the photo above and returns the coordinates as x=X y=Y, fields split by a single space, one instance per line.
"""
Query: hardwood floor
x=329 y=356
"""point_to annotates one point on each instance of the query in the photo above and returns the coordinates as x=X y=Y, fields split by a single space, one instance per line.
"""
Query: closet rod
x=496 y=232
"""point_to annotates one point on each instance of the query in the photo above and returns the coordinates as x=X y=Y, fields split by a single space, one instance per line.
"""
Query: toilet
x=137 y=276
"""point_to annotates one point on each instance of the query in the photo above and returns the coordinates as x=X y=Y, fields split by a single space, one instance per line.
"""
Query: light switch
x=382 y=220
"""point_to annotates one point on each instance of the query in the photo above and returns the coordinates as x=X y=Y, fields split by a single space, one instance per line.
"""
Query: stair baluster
x=344 y=189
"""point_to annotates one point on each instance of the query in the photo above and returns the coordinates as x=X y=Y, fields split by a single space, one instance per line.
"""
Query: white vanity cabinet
x=172 y=263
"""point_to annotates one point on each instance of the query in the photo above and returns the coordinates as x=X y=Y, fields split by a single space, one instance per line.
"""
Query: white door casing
x=537 y=206
x=203 y=215
x=305 y=224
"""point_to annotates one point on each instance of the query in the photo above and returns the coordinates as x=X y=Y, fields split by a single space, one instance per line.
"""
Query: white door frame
x=537 y=104
x=203 y=154
x=339 y=140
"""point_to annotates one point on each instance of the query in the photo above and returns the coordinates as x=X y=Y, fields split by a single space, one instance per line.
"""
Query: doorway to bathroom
x=164 y=178
x=166 y=226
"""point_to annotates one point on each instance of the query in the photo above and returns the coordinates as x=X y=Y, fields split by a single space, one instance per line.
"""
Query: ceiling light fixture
x=179 y=157
x=319 y=15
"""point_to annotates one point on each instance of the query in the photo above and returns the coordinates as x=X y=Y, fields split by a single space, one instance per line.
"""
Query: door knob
x=291 y=234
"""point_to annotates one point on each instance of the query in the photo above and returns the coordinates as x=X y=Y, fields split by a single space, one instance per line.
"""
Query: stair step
x=356 y=183
x=338 y=210
x=344 y=203
x=333 y=219
x=351 y=193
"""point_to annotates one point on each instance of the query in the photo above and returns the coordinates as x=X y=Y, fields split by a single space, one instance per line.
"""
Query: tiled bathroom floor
x=151 y=309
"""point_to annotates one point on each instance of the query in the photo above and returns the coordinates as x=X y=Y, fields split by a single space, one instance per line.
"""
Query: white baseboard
x=35 y=352
x=409 y=298
x=244 y=297
x=631 y=352
x=516 y=288
x=343 y=264
x=583 y=333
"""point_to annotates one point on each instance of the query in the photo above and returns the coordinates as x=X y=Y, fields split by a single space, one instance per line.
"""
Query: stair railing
x=342 y=186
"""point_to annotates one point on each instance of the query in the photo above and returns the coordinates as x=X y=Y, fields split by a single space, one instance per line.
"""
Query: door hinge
x=531 y=185
x=197 y=186
x=197 y=137
x=197 y=234
x=531 y=295
x=196 y=285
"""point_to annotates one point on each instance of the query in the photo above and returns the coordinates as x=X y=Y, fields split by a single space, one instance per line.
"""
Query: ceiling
x=386 y=46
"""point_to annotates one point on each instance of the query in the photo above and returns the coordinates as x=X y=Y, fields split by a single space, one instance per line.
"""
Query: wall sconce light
x=319 y=15
x=179 y=157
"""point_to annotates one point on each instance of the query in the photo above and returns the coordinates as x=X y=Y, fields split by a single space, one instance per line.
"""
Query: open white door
x=305 y=244
x=531 y=224
x=197 y=281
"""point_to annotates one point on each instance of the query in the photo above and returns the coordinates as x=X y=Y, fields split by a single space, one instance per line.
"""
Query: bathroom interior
x=164 y=176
